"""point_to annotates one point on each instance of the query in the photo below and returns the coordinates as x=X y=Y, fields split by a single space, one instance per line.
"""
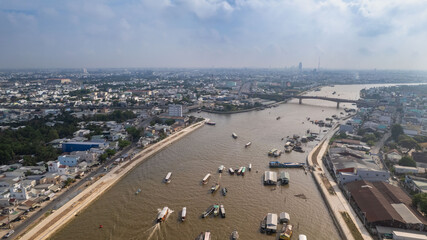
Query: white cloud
x=205 y=33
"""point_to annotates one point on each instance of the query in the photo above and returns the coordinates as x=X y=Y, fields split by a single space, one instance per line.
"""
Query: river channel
x=125 y=215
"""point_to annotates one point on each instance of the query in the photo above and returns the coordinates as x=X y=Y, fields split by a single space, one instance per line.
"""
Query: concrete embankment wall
x=323 y=191
x=63 y=215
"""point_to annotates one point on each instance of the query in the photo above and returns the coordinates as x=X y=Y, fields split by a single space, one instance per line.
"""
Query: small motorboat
x=214 y=188
x=224 y=191
x=208 y=211
x=163 y=214
x=234 y=235
x=138 y=191
x=222 y=209
x=248 y=144
x=207 y=236
x=216 y=210
x=200 y=236
x=183 y=214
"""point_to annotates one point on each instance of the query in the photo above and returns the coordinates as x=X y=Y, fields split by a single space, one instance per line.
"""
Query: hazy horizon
x=214 y=34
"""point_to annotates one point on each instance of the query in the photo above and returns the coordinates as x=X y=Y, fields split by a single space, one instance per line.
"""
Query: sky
x=342 y=34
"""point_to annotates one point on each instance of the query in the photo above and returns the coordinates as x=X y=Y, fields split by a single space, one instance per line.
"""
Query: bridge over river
x=337 y=100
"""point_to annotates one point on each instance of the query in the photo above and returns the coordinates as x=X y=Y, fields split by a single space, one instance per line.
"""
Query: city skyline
x=220 y=34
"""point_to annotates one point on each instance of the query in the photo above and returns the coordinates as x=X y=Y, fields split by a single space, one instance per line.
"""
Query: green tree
x=134 y=133
x=68 y=182
x=420 y=200
x=52 y=135
x=396 y=131
x=103 y=157
x=408 y=142
x=407 y=161
x=110 y=152
x=170 y=122
x=123 y=143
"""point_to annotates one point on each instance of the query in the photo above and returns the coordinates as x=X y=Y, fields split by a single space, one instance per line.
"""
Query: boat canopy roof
x=272 y=220
x=206 y=177
x=269 y=175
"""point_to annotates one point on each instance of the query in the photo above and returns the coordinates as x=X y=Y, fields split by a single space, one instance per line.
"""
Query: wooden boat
x=207 y=236
x=234 y=235
x=183 y=214
x=287 y=234
x=161 y=217
x=206 y=178
x=222 y=211
x=208 y=211
x=215 y=188
x=168 y=177
x=224 y=191
x=200 y=236
x=216 y=210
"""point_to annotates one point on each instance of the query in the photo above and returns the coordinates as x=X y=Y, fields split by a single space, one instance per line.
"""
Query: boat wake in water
x=156 y=228
x=152 y=230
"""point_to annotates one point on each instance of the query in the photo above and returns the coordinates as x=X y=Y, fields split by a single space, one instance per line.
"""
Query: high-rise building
x=300 y=66
x=175 y=110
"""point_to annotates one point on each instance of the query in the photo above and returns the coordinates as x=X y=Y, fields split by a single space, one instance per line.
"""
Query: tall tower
x=300 y=66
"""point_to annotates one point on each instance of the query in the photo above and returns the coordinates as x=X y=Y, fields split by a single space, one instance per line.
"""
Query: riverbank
x=337 y=205
x=60 y=217
x=245 y=110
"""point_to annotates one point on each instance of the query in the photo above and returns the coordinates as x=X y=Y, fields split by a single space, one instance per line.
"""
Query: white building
x=19 y=192
x=404 y=170
x=366 y=174
x=175 y=110
x=53 y=166
x=81 y=133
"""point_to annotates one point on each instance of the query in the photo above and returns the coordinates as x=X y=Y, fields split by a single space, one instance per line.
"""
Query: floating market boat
x=234 y=235
x=168 y=177
x=215 y=188
x=206 y=178
x=208 y=211
x=161 y=217
x=183 y=214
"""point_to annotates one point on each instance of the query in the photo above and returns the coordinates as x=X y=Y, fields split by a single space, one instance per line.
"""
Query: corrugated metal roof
x=269 y=175
x=400 y=234
x=405 y=213
x=376 y=199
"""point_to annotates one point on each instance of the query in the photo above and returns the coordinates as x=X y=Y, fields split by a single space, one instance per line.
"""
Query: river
x=125 y=215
